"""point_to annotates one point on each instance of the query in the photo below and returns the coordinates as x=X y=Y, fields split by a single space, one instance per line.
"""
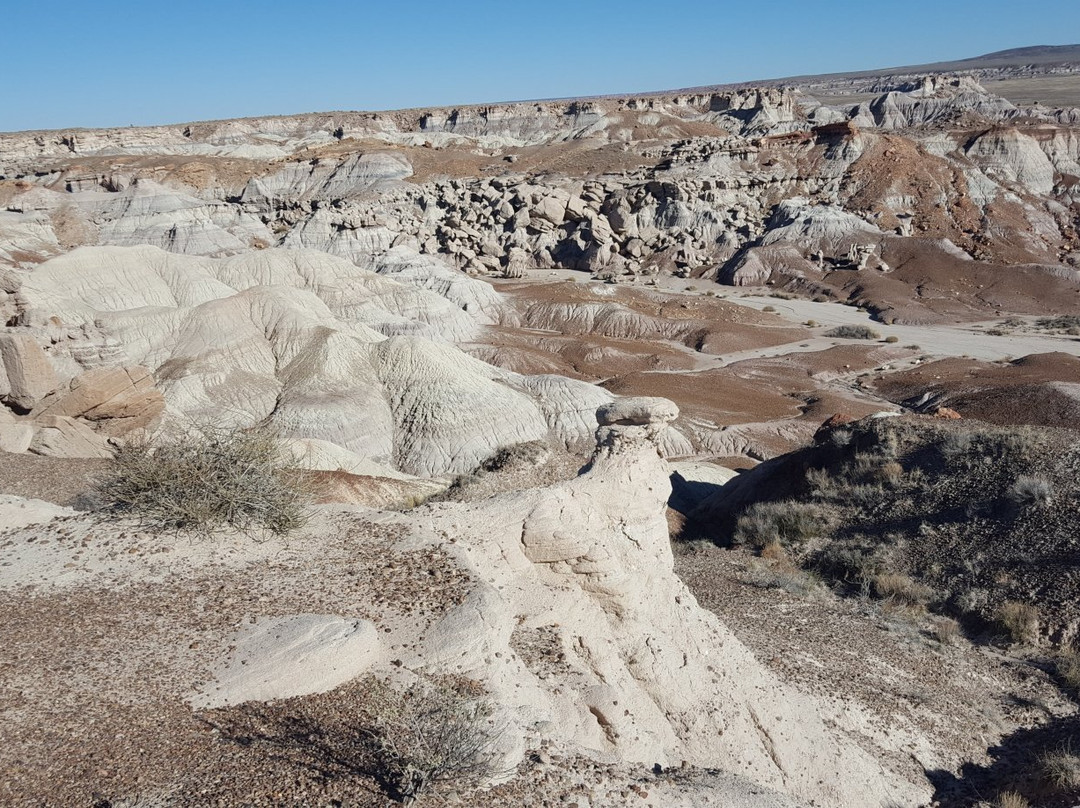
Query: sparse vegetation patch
x=213 y=478
x=852 y=332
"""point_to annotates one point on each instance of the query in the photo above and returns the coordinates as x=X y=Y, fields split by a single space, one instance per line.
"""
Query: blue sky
x=66 y=63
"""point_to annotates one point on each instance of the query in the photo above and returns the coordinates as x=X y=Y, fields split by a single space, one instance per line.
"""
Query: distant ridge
x=1014 y=57
x=1036 y=54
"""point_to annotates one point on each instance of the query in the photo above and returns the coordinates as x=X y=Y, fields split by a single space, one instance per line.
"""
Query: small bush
x=1029 y=492
x=1064 y=322
x=769 y=309
x=1067 y=667
x=1011 y=799
x=791 y=524
x=1019 y=621
x=892 y=339
x=431 y=734
x=780 y=575
x=946 y=631
x=902 y=589
x=530 y=453
x=1061 y=768
x=853 y=332
x=957 y=447
x=211 y=479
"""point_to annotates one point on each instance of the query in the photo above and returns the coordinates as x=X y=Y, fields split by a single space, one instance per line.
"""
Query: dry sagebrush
x=210 y=479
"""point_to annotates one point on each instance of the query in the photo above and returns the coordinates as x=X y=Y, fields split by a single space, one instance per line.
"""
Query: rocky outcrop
x=121 y=400
x=587 y=564
x=1011 y=157
x=322 y=349
x=26 y=374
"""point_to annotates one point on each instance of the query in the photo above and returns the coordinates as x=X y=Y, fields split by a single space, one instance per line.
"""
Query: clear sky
x=67 y=63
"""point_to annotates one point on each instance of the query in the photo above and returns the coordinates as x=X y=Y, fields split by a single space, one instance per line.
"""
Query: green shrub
x=213 y=478
x=853 y=332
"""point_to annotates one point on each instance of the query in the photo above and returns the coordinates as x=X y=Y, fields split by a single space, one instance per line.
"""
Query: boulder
x=947 y=414
x=832 y=422
x=60 y=436
x=294 y=655
x=15 y=435
x=124 y=398
x=27 y=375
x=637 y=411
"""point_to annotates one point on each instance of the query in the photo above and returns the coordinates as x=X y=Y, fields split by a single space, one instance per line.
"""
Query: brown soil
x=54 y=479
x=1039 y=389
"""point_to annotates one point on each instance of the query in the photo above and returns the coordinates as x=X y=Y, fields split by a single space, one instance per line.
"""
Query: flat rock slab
x=637 y=411
x=294 y=655
x=17 y=512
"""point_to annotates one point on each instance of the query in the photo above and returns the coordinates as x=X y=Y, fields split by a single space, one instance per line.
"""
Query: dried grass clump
x=1063 y=322
x=1019 y=621
x=853 y=332
x=790 y=524
x=431 y=734
x=1031 y=492
x=1061 y=768
x=210 y=479
x=1011 y=799
x=1067 y=666
x=902 y=589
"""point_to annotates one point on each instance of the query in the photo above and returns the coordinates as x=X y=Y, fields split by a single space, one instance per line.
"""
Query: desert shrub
x=768 y=309
x=212 y=478
x=820 y=482
x=1063 y=322
x=841 y=437
x=853 y=332
x=890 y=472
x=972 y=600
x=847 y=563
x=957 y=447
x=529 y=453
x=789 y=523
x=433 y=733
x=780 y=575
x=1067 y=667
x=901 y=588
x=1029 y=492
x=1061 y=768
x=1019 y=621
x=1022 y=442
x=1011 y=799
x=946 y=631
x=877 y=468
x=892 y=339
x=811 y=323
